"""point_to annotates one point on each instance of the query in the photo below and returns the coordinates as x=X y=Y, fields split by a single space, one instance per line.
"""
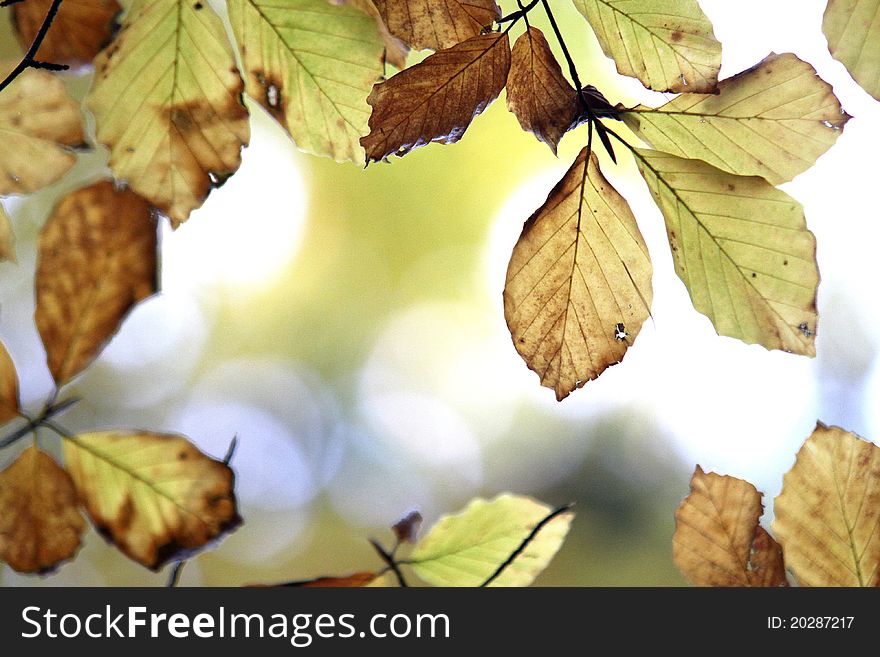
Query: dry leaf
x=40 y=124
x=773 y=121
x=718 y=541
x=852 y=28
x=579 y=281
x=7 y=237
x=40 y=524
x=396 y=51
x=537 y=92
x=742 y=249
x=167 y=102
x=80 y=29
x=311 y=64
x=350 y=581
x=96 y=259
x=437 y=99
x=828 y=514
x=437 y=24
x=407 y=528
x=156 y=496
x=9 y=405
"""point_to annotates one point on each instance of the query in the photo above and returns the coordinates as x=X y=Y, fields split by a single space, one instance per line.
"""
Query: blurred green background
x=347 y=326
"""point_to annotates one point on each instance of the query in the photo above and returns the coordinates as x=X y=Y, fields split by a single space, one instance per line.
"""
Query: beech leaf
x=80 y=29
x=538 y=94
x=9 y=405
x=742 y=249
x=852 y=28
x=828 y=514
x=436 y=99
x=773 y=121
x=466 y=549
x=311 y=65
x=96 y=258
x=396 y=51
x=40 y=524
x=437 y=24
x=39 y=124
x=156 y=496
x=167 y=103
x=718 y=541
x=578 y=284
x=7 y=237
x=669 y=45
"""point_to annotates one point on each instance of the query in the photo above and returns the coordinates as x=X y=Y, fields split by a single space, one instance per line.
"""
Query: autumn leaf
x=773 y=121
x=311 y=65
x=350 y=581
x=167 y=103
x=828 y=514
x=718 y=541
x=512 y=538
x=80 y=29
x=579 y=281
x=436 y=99
x=7 y=237
x=9 y=405
x=852 y=28
x=96 y=259
x=396 y=51
x=742 y=249
x=437 y=24
x=538 y=94
x=40 y=524
x=156 y=496
x=668 y=45
x=39 y=125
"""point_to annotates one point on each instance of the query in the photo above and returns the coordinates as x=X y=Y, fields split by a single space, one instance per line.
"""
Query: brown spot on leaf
x=676 y=36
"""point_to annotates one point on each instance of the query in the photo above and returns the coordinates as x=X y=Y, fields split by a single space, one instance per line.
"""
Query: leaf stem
x=42 y=420
x=388 y=558
x=30 y=58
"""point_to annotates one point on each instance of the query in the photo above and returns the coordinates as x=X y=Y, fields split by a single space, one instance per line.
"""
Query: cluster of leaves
x=507 y=541
x=826 y=526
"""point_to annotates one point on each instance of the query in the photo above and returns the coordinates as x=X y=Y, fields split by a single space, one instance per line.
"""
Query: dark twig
x=174 y=578
x=389 y=559
x=42 y=420
x=30 y=59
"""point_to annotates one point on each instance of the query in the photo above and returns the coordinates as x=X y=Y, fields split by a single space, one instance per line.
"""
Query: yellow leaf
x=468 y=548
x=669 y=45
x=718 y=541
x=828 y=514
x=8 y=386
x=7 y=237
x=437 y=24
x=852 y=28
x=773 y=121
x=167 y=102
x=742 y=248
x=396 y=51
x=39 y=123
x=156 y=496
x=311 y=65
x=579 y=281
x=40 y=524
x=96 y=258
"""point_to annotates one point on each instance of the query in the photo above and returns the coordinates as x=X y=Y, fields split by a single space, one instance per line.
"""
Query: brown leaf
x=40 y=524
x=437 y=24
x=350 y=581
x=40 y=124
x=828 y=514
x=407 y=528
x=96 y=259
x=437 y=99
x=80 y=29
x=8 y=386
x=579 y=281
x=537 y=92
x=156 y=496
x=718 y=541
x=396 y=51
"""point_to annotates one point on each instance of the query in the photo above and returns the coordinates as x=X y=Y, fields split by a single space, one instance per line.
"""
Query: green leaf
x=669 y=45
x=468 y=548
x=742 y=248
x=852 y=28
x=311 y=65
x=773 y=121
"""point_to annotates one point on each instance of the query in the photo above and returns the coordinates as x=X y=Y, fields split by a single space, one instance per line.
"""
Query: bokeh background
x=347 y=326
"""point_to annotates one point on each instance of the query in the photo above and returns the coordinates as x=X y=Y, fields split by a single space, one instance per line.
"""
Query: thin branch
x=42 y=420
x=174 y=578
x=389 y=559
x=30 y=59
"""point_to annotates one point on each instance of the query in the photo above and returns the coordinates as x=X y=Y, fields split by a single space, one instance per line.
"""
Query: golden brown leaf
x=80 y=29
x=7 y=237
x=350 y=581
x=537 y=92
x=39 y=123
x=96 y=259
x=828 y=514
x=8 y=386
x=156 y=496
x=437 y=24
x=437 y=99
x=40 y=524
x=579 y=281
x=396 y=51
x=718 y=541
